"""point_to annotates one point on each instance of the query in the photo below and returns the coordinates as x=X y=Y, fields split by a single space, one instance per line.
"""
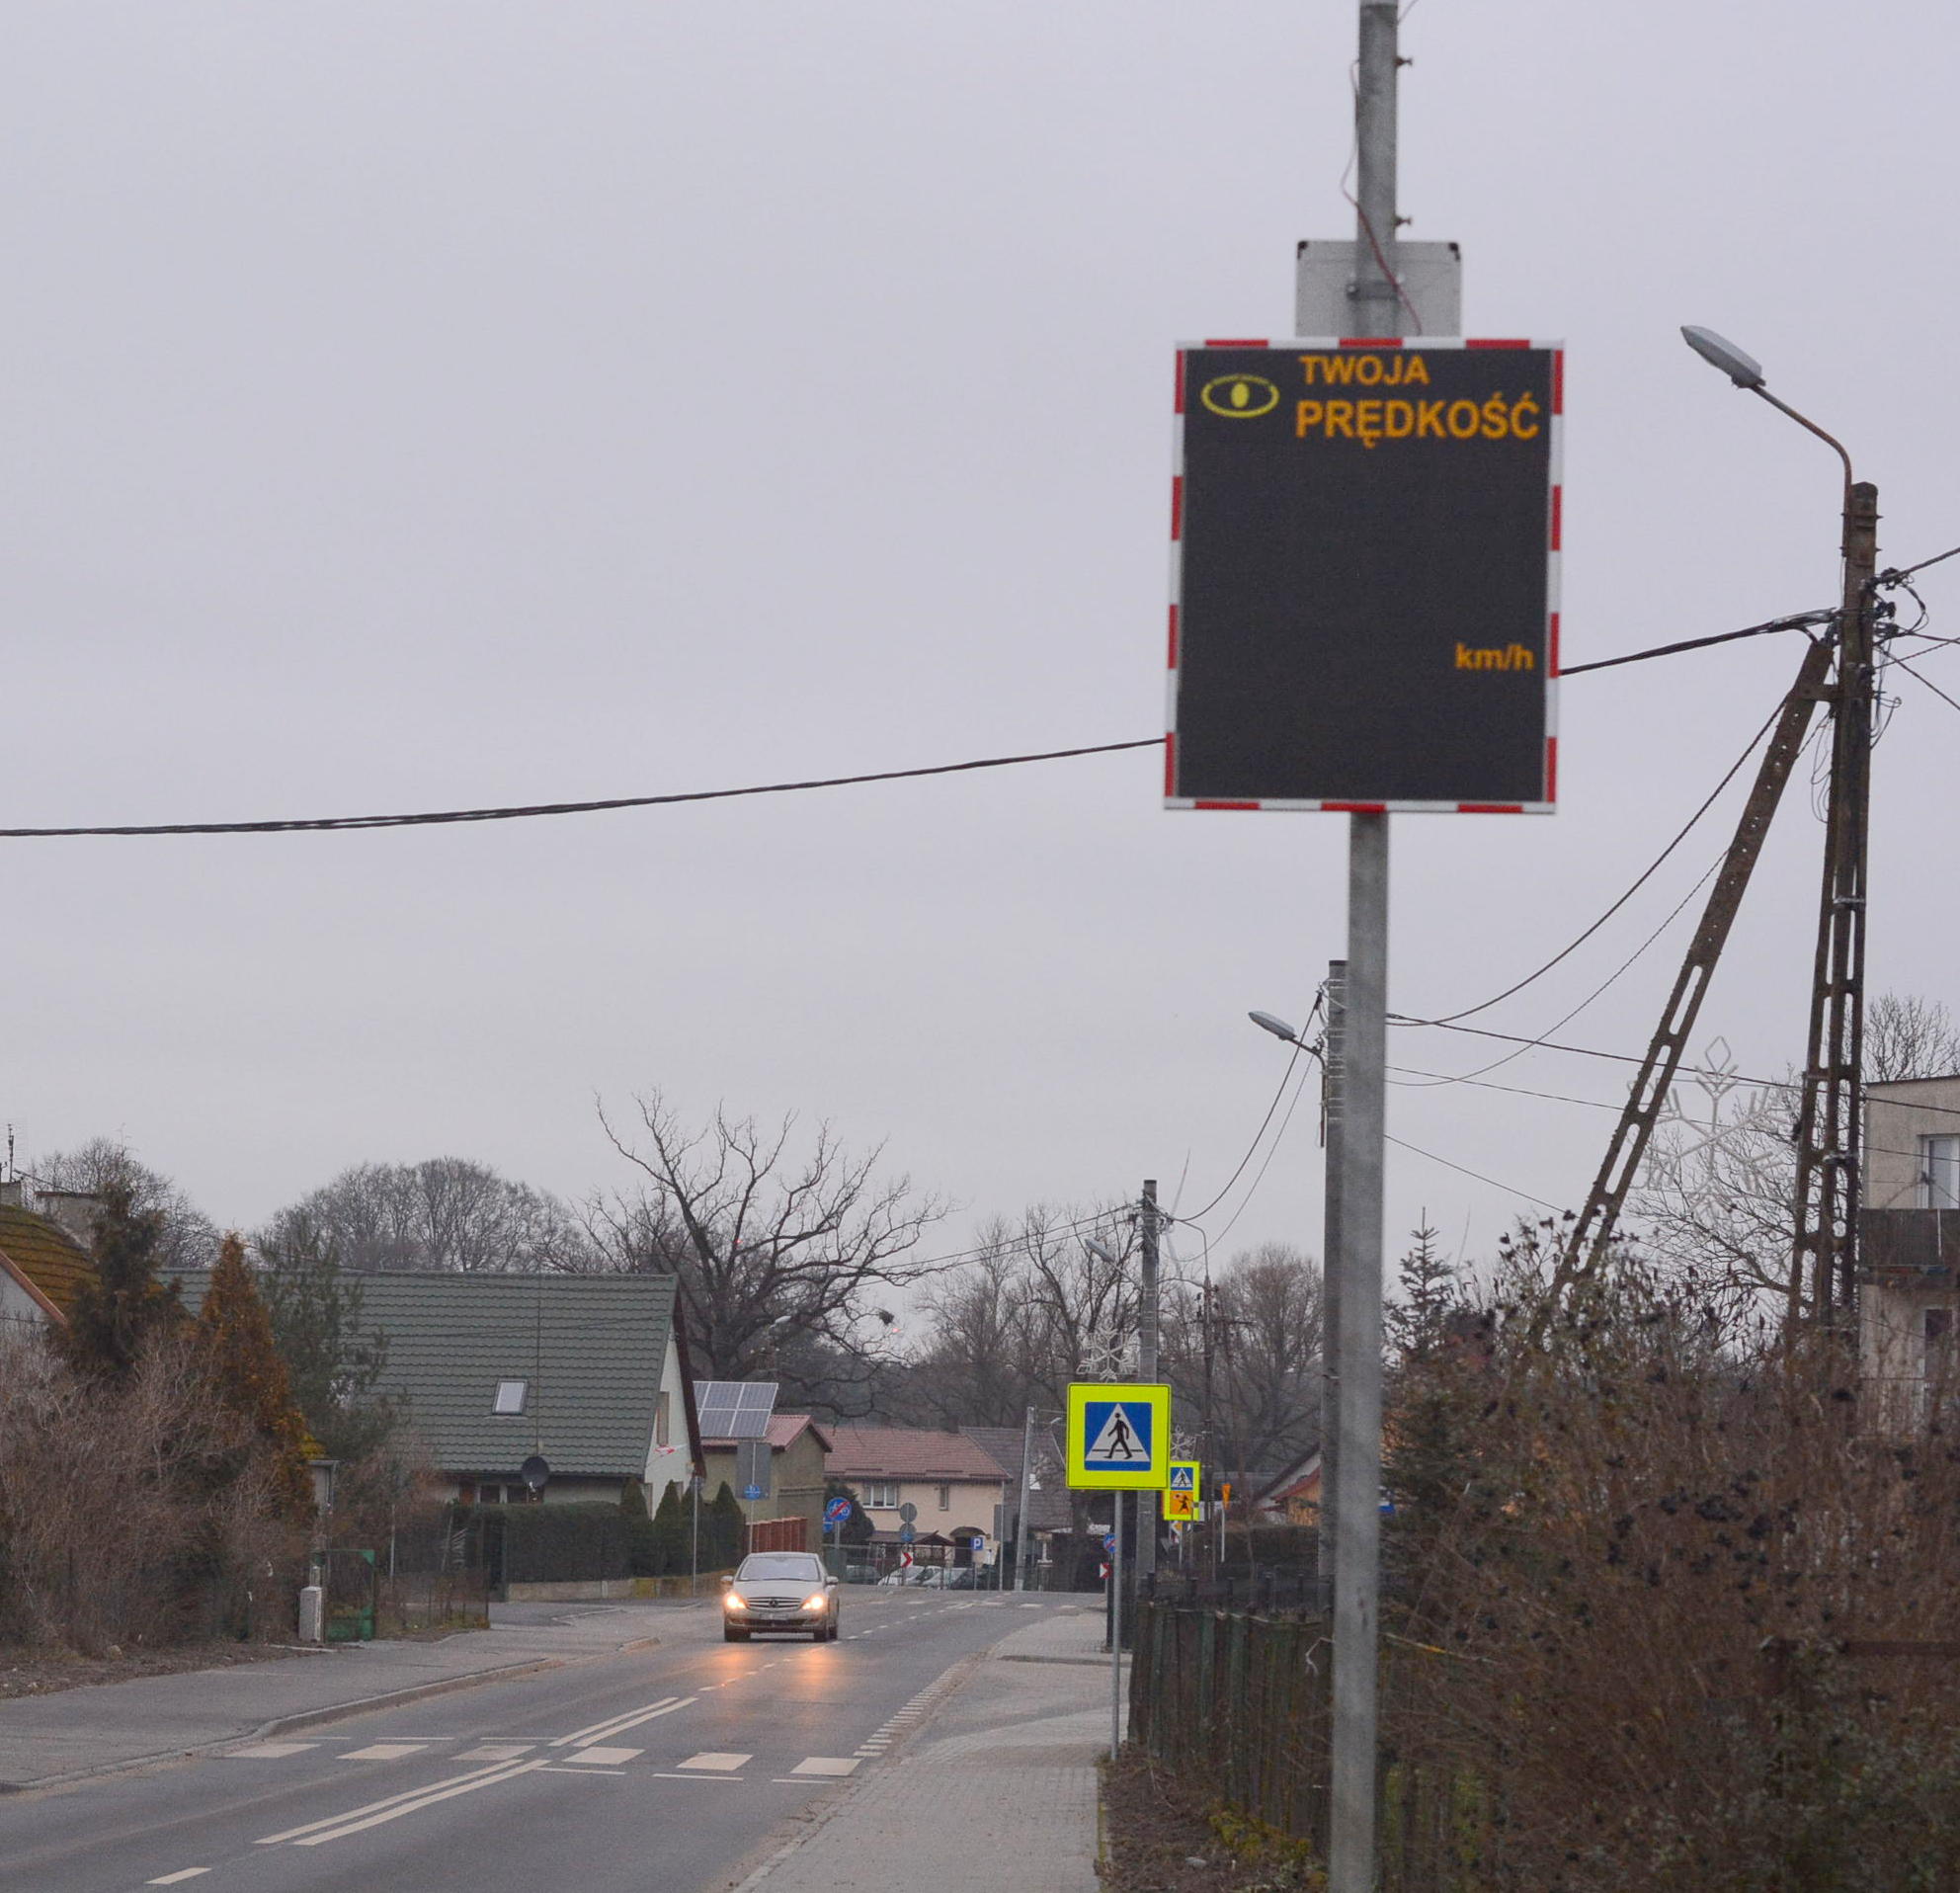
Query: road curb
x=314 y=1718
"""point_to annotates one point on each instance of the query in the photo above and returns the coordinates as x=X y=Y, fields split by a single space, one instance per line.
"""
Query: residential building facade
x=1909 y=1300
x=953 y=1483
x=792 y=1492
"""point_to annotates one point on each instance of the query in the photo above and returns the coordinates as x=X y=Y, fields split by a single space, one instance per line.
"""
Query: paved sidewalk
x=998 y=1787
x=46 y=1739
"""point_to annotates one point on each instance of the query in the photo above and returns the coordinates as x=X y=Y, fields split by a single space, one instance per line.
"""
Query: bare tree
x=1033 y=1309
x=1715 y=1199
x=447 y=1216
x=187 y=1237
x=1907 y=1036
x=788 y=1254
x=1266 y=1345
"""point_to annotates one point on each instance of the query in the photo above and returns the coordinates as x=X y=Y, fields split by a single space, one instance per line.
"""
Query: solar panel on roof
x=734 y=1409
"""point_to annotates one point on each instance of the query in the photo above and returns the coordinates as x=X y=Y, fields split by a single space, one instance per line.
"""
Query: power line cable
x=1897 y=574
x=1319 y=1000
x=1926 y=681
x=1645 y=875
x=1464 y=1170
x=327 y=824
x=1802 y=621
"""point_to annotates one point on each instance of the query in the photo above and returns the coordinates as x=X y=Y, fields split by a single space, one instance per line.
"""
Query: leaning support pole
x=1595 y=1228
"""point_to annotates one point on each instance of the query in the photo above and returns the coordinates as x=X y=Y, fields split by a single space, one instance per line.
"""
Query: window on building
x=510 y=1396
x=489 y=1495
x=945 y=1497
x=1939 y=1173
x=880 y=1494
x=660 y=1421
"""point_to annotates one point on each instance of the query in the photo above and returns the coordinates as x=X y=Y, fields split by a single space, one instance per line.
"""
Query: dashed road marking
x=497 y=1752
x=182 y=1873
x=335 y=1825
x=620 y=1724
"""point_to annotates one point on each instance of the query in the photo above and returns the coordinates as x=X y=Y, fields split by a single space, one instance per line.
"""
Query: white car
x=780 y=1591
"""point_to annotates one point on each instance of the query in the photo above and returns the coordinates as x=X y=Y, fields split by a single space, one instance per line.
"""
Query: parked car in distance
x=919 y=1576
x=780 y=1591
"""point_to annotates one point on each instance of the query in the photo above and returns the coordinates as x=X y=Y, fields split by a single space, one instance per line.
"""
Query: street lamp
x=1826 y=1199
x=1745 y=371
x=1278 y=1027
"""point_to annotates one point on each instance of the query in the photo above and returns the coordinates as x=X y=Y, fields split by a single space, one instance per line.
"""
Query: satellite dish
x=534 y=1472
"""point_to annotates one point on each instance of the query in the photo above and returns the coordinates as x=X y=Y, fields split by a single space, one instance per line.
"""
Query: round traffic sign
x=907 y=1512
x=836 y=1511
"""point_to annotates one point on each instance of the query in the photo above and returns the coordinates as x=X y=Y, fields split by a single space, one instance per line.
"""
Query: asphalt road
x=675 y=1770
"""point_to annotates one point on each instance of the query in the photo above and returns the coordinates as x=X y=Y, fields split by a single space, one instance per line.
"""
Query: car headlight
x=734 y=1601
x=816 y=1602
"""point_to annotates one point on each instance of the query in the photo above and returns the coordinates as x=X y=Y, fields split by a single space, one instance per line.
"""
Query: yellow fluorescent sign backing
x=1118 y=1437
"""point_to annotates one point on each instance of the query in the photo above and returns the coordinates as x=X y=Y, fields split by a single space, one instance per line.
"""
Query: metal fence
x=1236 y=1697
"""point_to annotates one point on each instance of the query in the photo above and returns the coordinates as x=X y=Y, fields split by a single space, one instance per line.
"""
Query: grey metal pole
x=1147 y=1327
x=1116 y=1625
x=1334 y=1106
x=1023 y=1537
x=1357 y=1497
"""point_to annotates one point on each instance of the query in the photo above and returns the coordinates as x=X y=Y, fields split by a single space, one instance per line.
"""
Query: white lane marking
x=992 y=1603
x=620 y=1724
x=668 y=1774
x=384 y=1752
x=261 y=1751
x=496 y=1773
x=171 y=1879
x=605 y=1758
x=722 y=1764
x=596 y=1729
x=824 y=1764
x=413 y=1807
x=496 y=1751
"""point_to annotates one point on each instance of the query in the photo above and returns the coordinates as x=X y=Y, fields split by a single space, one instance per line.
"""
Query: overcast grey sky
x=416 y=405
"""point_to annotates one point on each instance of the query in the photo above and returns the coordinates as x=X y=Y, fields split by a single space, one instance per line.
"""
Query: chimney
x=74 y=1212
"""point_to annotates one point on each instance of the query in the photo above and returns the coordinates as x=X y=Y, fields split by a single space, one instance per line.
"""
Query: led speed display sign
x=1364 y=589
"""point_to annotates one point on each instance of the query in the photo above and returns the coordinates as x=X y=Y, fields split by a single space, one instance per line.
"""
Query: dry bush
x=139 y=1514
x=1608 y=1538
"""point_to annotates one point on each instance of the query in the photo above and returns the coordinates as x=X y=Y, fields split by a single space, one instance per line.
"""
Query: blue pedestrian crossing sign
x=1118 y=1435
x=1181 y=1492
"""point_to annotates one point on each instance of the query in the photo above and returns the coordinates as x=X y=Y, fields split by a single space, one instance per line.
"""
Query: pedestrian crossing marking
x=265 y=1752
x=604 y=1758
x=826 y=1765
x=384 y=1752
x=722 y=1764
x=496 y=1751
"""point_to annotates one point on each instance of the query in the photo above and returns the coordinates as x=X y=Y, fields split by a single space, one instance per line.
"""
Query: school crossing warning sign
x=1118 y=1437
x=1181 y=1492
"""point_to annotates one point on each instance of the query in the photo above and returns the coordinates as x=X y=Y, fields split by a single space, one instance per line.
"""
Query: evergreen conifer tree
x=126 y=1305
x=673 y=1533
x=234 y=1348
x=724 y=1529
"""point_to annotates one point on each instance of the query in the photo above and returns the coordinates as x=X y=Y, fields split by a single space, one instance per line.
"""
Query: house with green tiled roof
x=42 y=1266
x=586 y=1372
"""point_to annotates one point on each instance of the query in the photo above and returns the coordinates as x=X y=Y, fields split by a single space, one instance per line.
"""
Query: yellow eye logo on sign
x=1240 y=397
